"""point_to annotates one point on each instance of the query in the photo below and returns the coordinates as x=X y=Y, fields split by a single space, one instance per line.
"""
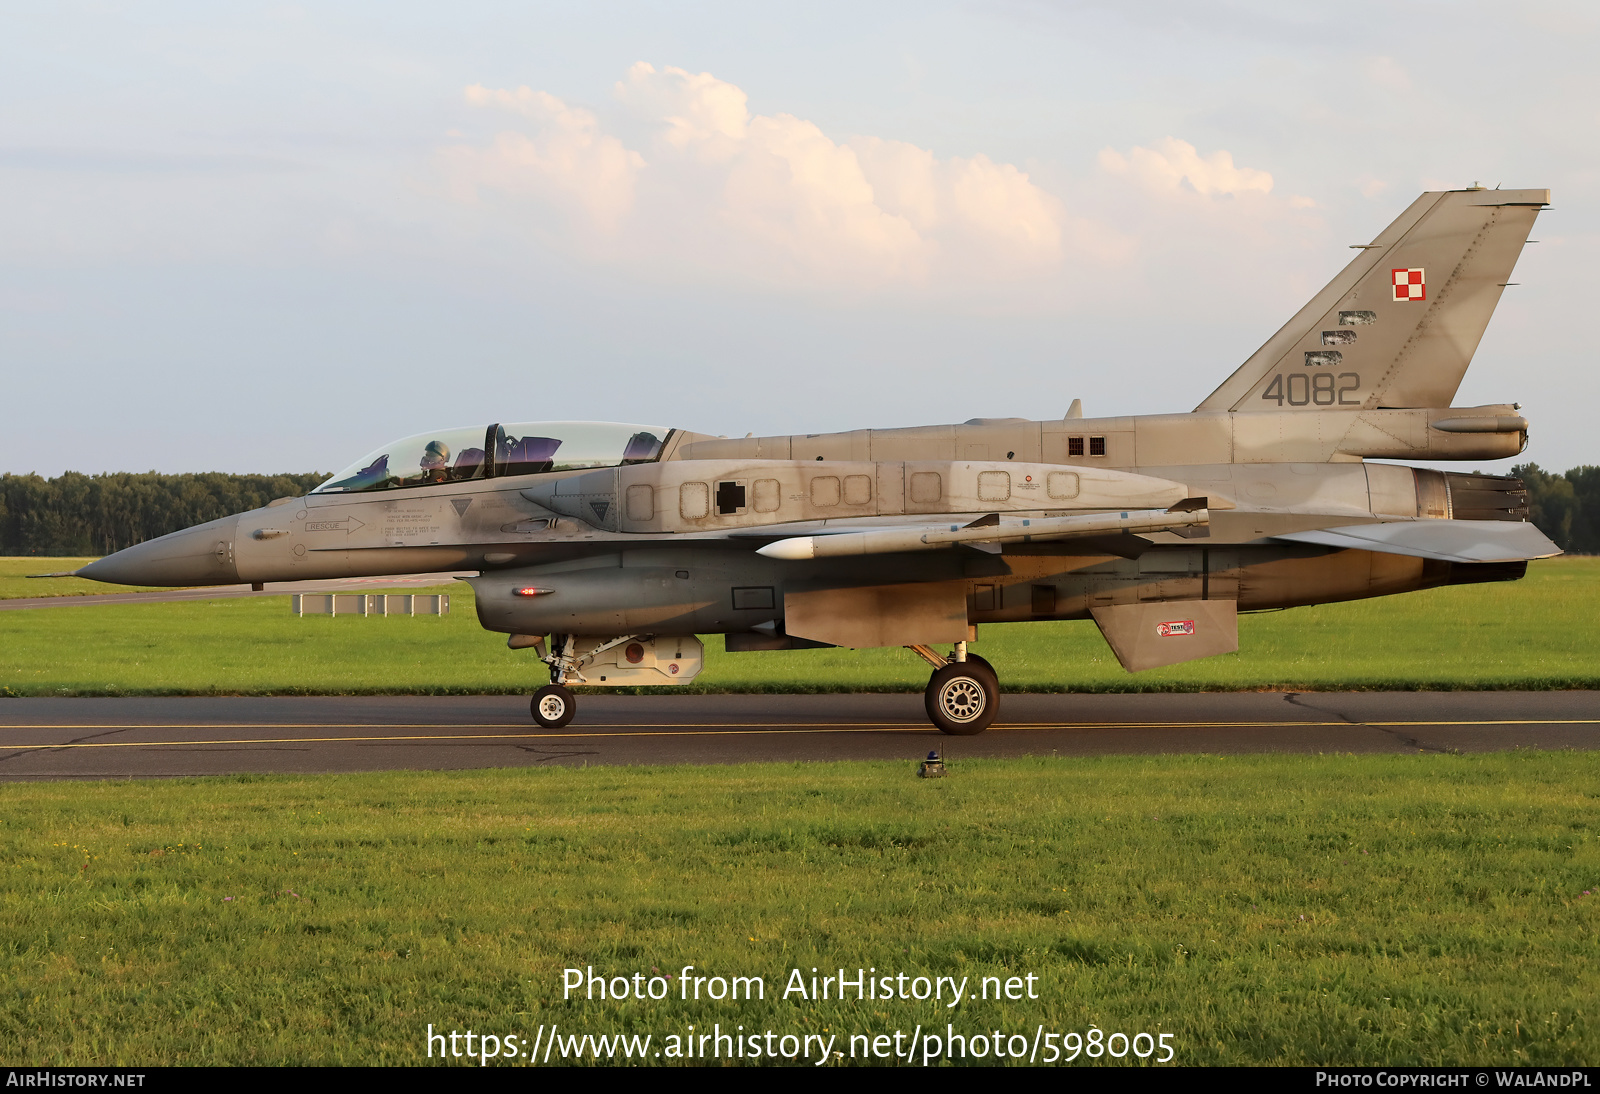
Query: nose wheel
x=553 y=706
x=963 y=697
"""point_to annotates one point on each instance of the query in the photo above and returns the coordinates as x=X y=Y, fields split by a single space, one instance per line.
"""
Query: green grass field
x=1260 y=909
x=1539 y=632
x=19 y=578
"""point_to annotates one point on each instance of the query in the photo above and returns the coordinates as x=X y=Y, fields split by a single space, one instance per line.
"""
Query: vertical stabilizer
x=1399 y=325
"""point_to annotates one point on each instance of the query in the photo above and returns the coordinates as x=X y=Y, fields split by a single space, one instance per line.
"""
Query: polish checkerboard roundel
x=1409 y=285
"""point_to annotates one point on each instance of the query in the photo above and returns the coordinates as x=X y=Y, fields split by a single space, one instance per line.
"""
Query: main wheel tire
x=962 y=700
x=974 y=659
x=553 y=706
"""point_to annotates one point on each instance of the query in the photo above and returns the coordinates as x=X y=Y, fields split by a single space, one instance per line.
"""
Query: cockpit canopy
x=499 y=451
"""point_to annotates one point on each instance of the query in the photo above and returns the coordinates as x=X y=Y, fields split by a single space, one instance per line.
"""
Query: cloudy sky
x=271 y=237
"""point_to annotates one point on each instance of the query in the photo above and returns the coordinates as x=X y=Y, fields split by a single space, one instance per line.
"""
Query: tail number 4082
x=1320 y=389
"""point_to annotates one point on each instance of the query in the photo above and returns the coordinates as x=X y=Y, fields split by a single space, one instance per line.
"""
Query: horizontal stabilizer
x=1444 y=540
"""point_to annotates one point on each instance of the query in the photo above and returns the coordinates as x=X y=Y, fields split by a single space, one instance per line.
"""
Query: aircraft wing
x=1444 y=540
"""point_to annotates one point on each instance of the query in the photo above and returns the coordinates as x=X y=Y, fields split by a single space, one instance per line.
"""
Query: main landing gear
x=963 y=694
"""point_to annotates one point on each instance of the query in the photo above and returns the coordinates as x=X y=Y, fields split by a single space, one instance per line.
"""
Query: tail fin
x=1399 y=325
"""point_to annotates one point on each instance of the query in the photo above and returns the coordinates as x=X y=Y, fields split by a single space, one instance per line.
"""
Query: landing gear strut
x=554 y=705
x=589 y=661
x=963 y=695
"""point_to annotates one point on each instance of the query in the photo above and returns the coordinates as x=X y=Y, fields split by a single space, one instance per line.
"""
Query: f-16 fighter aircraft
x=605 y=549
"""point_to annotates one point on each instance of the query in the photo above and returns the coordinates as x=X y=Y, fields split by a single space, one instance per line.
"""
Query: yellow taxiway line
x=818 y=725
x=707 y=729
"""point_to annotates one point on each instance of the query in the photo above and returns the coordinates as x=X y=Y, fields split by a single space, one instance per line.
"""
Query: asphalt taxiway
x=167 y=737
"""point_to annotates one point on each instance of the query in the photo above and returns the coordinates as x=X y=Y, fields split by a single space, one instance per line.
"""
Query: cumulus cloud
x=1370 y=186
x=566 y=159
x=698 y=111
x=975 y=198
x=1203 y=223
x=1177 y=166
x=769 y=195
x=676 y=177
x=1388 y=74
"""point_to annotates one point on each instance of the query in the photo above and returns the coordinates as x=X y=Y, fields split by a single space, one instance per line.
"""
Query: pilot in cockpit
x=435 y=463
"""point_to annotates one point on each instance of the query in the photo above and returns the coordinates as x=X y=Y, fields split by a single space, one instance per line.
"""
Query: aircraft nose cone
x=202 y=555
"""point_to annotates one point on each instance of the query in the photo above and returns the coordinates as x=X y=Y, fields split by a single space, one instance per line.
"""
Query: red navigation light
x=530 y=590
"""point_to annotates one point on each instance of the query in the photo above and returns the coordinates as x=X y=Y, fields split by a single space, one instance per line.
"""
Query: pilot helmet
x=437 y=454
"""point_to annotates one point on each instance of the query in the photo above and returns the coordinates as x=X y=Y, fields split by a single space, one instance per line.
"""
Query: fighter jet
x=607 y=549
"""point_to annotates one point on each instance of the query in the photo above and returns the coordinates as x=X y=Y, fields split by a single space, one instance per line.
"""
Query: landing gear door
x=662 y=659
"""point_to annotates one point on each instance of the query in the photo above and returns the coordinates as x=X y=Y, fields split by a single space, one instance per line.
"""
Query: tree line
x=1565 y=507
x=97 y=514
x=79 y=514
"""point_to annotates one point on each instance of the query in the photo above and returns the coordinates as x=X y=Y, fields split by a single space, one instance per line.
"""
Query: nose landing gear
x=553 y=706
